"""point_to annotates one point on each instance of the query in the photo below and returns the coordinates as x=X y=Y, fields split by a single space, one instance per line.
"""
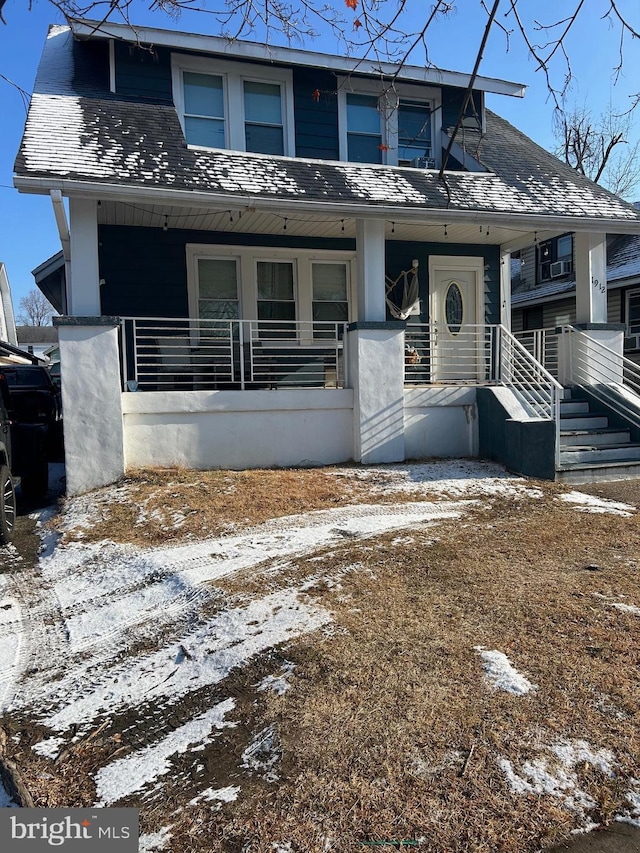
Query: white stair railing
x=538 y=391
x=607 y=375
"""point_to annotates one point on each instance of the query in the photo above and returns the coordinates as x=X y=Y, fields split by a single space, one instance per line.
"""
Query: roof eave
x=364 y=210
x=275 y=54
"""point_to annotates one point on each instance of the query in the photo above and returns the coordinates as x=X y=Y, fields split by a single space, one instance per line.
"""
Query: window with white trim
x=633 y=312
x=274 y=287
x=233 y=105
x=380 y=125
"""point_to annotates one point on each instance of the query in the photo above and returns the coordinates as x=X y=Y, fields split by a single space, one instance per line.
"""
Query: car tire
x=35 y=484
x=7 y=506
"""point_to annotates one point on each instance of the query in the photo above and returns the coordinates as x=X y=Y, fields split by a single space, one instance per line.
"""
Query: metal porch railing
x=607 y=375
x=543 y=345
x=187 y=354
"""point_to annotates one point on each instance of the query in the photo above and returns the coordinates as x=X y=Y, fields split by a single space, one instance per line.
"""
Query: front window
x=330 y=296
x=218 y=289
x=414 y=133
x=204 y=121
x=264 y=131
x=276 y=296
x=364 y=139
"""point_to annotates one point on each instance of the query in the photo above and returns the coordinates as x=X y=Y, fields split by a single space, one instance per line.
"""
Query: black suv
x=30 y=437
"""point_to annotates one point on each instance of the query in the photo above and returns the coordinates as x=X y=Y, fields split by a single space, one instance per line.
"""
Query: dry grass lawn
x=389 y=731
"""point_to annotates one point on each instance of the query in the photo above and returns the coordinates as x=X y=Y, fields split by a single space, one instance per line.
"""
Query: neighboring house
x=10 y=353
x=239 y=215
x=546 y=299
x=37 y=340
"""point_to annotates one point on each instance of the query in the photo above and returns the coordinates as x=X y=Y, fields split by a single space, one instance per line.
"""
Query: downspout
x=65 y=239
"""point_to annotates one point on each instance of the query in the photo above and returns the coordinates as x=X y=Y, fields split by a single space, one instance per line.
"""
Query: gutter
x=189 y=198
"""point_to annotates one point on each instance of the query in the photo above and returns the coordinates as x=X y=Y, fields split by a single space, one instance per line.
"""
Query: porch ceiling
x=299 y=224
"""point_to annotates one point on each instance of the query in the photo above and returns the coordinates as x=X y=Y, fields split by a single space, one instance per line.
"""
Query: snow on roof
x=87 y=137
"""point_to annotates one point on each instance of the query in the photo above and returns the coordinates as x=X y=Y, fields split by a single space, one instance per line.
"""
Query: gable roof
x=114 y=147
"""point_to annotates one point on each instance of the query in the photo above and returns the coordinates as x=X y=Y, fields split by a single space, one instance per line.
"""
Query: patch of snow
x=591 y=503
x=228 y=640
x=557 y=776
x=278 y=683
x=154 y=840
x=263 y=754
x=49 y=748
x=222 y=795
x=626 y=608
x=133 y=773
x=501 y=674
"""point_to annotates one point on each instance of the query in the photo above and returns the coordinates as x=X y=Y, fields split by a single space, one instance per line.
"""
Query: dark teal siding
x=452 y=102
x=400 y=254
x=143 y=73
x=316 y=118
x=91 y=67
x=145 y=272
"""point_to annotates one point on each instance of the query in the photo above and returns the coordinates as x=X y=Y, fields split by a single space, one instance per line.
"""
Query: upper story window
x=204 y=112
x=555 y=258
x=263 y=125
x=414 y=133
x=234 y=105
x=381 y=125
x=364 y=136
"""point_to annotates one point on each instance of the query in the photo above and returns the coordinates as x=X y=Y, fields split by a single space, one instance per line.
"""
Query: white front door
x=456 y=312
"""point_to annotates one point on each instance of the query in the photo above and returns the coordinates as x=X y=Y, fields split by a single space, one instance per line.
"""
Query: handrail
x=537 y=389
x=608 y=376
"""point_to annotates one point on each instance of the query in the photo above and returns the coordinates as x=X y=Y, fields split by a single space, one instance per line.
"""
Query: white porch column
x=376 y=368
x=83 y=288
x=370 y=261
x=505 y=289
x=91 y=401
x=590 y=252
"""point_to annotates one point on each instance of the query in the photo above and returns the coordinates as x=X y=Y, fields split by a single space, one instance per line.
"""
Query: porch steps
x=590 y=449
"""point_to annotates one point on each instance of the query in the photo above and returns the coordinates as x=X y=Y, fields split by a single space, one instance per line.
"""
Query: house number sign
x=599 y=285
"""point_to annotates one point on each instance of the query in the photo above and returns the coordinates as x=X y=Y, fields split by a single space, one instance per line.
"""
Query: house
x=37 y=340
x=240 y=216
x=10 y=353
x=544 y=292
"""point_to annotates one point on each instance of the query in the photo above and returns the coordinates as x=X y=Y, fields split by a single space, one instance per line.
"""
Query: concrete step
x=589 y=455
x=584 y=422
x=573 y=407
x=594 y=438
x=579 y=473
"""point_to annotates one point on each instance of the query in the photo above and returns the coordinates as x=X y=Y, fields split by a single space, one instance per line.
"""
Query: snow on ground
x=501 y=674
x=626 y=608
x=555 y=774
x=591 y=503
x=123 y=628
x=154 y=840
x=632 y=816
x=134 y=773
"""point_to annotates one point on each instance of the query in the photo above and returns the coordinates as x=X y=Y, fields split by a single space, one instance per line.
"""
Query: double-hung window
x=414 y=133
x=218 y=289
x=227 y=104
x=330 y=296
x=263 y=123
x=633 y=312
x=204 y=113
x=364 y=137
x=395 y=125
x=555 y=257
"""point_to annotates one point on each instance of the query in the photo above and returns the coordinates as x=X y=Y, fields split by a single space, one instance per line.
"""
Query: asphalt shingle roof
x=83 y=138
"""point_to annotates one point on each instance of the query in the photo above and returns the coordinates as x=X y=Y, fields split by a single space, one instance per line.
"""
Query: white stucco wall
x=440 y=421
x=376 y=369
x=90 y=378
x=231 y=429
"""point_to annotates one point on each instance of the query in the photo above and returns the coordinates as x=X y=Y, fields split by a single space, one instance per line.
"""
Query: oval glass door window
x=453 y=308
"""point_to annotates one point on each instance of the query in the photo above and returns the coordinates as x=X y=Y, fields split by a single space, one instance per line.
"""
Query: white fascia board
x=240 y=49
x=187 y=198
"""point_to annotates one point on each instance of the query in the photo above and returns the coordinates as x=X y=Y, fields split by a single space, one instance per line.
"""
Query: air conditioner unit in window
x=558 y=268
x=424 y=162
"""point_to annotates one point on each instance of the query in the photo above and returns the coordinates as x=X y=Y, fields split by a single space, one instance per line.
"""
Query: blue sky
x=28 y=235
